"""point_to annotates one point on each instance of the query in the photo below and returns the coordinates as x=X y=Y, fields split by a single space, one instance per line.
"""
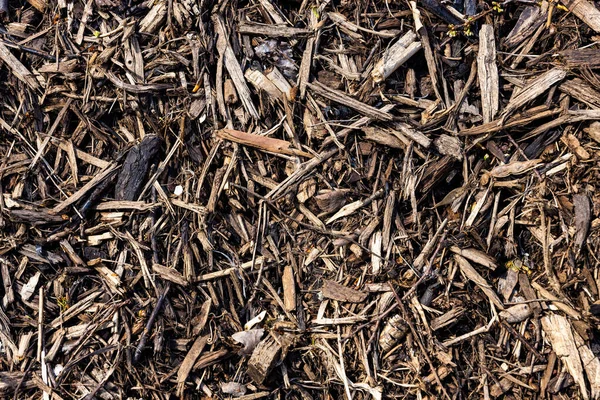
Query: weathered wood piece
x=586 y=11
x=134 y=171
x=487 y=73
x=335 y=291
x=233 y=67
x=264 y=357
x=395 y=56
x=18 y=69
x=342 y=98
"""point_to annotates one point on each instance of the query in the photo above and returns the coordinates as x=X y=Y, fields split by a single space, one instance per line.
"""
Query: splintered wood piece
x=232 y=65
x=135 y=168
x=110 y=279
x=335 y=291
x=382 y=137
x=562 y=306
x=68 y=249
x=229 y=93
x=577 y=58
x=583 y=217
x=277 y=30
x=263 y=359
x=35 y=217
x=514 y=168
x=307 y=56
x=521 y=119
x=396 y=55
x=476 y=278
x=560 y=335
x=265 y=143
x=487 y=72
x=530 y=19
x=476 y=256
x=393 y=331
x=74 y=310
x=388 y=216
x=428 y=50
x=39 y=5
x=446 y=319
x=429 y=246
x=591 y=364
x=188 y=362
x=155 y=18
x=404 y=129
x=582 y=91
x=585 y=11
x=352 y=29
x=261 y=82
x=18 y=69
x=277 y=78
x=533 y=89
x=169 y=274
x=9 y=293
x=105 y=174
x=376 y=260
x=342 y=98
x=289 y=288
x=140 y=89
x=351 y=208
x=134 y=59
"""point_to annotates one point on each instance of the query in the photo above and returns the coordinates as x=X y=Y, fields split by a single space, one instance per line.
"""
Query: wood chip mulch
x=287 y=199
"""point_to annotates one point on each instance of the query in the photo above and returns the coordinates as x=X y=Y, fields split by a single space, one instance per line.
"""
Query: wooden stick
x=342 y=98
x=40 y=341
x=233 y=67
x=305 y=65
x=534 y=89
x=279 y=30
x=18 y=69
x=487 y=70
x=395 y=56
x=272 y=145
x=585 y=11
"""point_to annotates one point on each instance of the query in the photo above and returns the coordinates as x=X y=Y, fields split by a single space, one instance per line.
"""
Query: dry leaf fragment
x=573 y=143
x=594 y=131
x=249 y=339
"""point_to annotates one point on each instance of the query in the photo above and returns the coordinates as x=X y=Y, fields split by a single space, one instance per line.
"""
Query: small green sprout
x=452 y=30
